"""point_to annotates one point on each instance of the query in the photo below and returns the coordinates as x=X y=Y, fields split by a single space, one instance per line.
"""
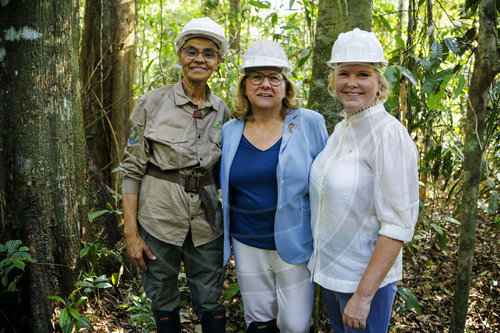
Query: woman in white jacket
x=364 y=193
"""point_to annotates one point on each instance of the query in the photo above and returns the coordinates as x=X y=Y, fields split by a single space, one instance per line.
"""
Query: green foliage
x=409 y=301
x=230 y=292
x=490 y=206
x=70 y=318
x=91 y=282
x=140 y=313
x=14 y=259
x=89 y=286
x=94 y=251
x=110 y=209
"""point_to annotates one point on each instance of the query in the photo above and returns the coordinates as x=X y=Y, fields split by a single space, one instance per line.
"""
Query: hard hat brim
x=337 y=64
x=182 y=38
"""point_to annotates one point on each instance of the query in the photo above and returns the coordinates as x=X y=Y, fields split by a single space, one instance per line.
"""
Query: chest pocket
x=214 y=147
x=172 y=148
x=216 y=137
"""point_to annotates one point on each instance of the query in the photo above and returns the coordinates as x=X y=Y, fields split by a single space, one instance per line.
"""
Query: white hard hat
x=265 y=53
x=205 y=28
x=357 y=46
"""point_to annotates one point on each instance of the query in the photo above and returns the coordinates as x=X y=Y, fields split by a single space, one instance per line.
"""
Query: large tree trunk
x=122 y=29
x=106 y=69
x=92 y=82
x=107 y=75
x=486 y=67
x=43 y=148
x=332 y=20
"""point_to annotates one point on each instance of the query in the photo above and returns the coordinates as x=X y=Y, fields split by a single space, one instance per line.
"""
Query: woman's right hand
x=136 y=247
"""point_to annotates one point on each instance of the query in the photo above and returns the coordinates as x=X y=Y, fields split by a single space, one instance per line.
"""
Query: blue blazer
x=304 y=136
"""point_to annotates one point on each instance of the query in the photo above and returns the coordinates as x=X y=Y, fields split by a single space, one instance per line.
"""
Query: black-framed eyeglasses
x=208 y=54
x=275 y=79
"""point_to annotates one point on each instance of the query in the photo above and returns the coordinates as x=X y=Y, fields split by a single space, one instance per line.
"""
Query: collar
x=181 y=98
x=377 y=108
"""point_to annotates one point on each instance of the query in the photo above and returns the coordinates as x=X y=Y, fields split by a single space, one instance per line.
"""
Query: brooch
x=290 y=127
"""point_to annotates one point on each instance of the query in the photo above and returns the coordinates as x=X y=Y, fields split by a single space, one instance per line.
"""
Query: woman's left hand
x=356 y=311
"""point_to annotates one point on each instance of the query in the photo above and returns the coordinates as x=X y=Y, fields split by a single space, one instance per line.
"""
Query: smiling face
x=198 y=69
x=265 y=96
x=356 y=86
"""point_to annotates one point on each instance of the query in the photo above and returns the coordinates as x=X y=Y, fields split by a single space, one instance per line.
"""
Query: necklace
x=350 y=114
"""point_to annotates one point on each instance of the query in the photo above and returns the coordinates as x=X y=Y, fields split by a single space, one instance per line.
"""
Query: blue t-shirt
x=254 y=194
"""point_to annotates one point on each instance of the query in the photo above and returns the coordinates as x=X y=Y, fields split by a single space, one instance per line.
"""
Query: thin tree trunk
x=407 y=62
x=486 y=67
x=428 y=127
x=332 y=20
x=399 y=28
x=43 y=146
x=234 y=25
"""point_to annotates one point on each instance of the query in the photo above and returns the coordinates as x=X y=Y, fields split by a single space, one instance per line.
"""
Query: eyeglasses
x=275 y=79
x=208 y=54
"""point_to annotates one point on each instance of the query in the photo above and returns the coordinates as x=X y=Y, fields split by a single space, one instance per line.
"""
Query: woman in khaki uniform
x=171 y=208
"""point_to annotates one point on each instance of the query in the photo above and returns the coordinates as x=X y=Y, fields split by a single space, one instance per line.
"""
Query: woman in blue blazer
x=267 y=153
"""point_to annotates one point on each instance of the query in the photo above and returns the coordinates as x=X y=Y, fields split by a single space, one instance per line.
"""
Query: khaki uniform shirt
x=164 y=133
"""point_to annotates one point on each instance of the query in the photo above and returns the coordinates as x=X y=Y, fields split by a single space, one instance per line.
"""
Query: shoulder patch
x=133 y=136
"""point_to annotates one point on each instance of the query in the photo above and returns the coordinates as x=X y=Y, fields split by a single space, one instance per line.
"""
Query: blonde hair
x=384 y=90
x=243 y=109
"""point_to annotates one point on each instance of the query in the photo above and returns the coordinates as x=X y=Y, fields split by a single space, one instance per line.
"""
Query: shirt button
x=201 y=158
x=282 y=182
x=199 y=136
x=279 y=209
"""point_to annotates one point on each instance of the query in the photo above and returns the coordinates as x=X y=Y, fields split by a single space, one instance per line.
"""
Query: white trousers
x=271 y=288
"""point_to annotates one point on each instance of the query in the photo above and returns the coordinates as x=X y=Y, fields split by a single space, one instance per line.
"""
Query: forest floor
x=429 y=271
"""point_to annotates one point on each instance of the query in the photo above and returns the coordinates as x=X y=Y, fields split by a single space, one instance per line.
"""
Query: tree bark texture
x=43 y=147
x=107 y=74
x=332 y=20
x=428 y=127
x=234 y=25
x=486 y=67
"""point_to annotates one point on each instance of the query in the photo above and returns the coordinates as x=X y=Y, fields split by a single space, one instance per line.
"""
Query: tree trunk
x=43 y=148
x=123 y=69
x=92 y=82
x=234 y=25
x=107 y=75
x=486 y=67
x=333 y=20
x=106 y=68
x=428 y=127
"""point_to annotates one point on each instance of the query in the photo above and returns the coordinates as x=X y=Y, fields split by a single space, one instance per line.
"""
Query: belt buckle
x=187 y=184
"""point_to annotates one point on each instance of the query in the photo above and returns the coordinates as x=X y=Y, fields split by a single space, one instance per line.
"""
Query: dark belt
x=192 y=184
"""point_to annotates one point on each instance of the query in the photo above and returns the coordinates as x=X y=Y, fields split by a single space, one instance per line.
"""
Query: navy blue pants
x=380 y=309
